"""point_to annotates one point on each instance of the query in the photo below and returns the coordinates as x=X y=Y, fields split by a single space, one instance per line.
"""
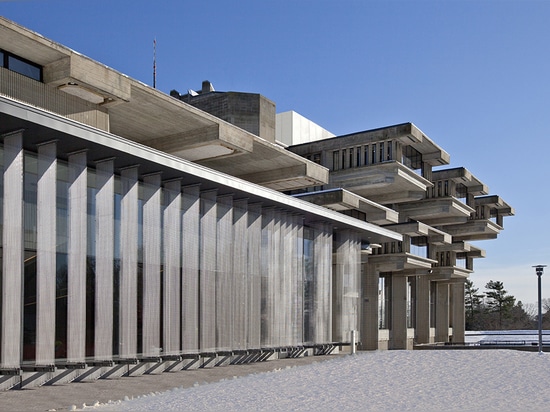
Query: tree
x=498 y=301
x=473 y=302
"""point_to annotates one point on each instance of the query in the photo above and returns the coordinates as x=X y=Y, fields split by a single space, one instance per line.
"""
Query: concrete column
x=105 y=184
x=458 y=312
x=239 y=270
x=442 y=312
x=76 y=282
x=369 y=312
x=322 y=305
x=46 y=253
x=399 y=312
x=297 y=253
x=152 y=212
x=128 y=263
x=224 y=273
x=208 y=272
x=172 y=263
x=346 y=285
x=254 y=279
x=268 y=269
x=190 y=269
x=423 y=309
x=12 y=243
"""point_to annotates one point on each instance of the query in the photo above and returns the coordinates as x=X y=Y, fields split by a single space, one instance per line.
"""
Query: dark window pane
x=23 y=68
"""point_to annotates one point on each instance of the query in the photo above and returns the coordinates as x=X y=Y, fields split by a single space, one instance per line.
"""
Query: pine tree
x=473 y=303
x=498 y=301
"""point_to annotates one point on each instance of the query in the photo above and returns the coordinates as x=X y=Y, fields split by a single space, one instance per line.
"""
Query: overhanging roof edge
x=70 y=127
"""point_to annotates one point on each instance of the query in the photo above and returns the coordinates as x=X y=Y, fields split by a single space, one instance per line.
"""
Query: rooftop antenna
x=154 y=63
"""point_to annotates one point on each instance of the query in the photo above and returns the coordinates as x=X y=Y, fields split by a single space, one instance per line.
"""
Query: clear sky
x=472 y=75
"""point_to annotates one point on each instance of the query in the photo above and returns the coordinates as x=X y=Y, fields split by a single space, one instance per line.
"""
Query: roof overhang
x=342 y=199
x=41 y=126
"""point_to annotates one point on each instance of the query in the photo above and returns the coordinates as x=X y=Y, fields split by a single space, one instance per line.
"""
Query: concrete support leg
x=422 y=309
x=369 y=315
x=442 y=313
x=399 y=313
x=458 y=319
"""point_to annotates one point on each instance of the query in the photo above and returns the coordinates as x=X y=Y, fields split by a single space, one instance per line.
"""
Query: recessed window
x=381 y=145
x=335 y=160
x=21 y=66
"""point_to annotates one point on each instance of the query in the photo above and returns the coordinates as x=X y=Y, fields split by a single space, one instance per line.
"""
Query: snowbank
x=488 y=380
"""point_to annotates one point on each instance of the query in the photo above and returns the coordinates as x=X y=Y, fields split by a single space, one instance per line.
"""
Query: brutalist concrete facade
x=249 y=111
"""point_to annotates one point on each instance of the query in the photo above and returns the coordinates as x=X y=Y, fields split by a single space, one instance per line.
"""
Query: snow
x=429 y=380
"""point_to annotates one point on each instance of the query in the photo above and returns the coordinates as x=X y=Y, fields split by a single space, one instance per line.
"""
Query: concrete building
x=413 y=289
x=141 y=234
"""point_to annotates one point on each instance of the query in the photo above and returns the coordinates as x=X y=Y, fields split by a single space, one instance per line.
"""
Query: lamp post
x=539 y=269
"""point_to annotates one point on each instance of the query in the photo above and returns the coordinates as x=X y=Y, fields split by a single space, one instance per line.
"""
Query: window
x=335 y=160
x=389 y=151
x=21 y=66
x=381 y=150
x=358 y=155
x=350 y=164
x=343 y=158
x=366 y=155
x=411 y=301
x=412 y=158
x=384 y=302
x=316 y=158
x=373 y=150
x=446 y=188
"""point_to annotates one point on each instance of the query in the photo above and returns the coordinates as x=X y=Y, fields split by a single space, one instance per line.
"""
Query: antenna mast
x=154 y=63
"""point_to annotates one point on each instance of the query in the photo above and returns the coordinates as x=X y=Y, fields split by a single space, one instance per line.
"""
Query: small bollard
x=353 y=341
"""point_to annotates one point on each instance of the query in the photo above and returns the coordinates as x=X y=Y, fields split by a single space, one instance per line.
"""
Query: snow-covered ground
x=436 y=380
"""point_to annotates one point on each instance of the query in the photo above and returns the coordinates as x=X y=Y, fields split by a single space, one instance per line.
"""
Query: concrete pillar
x=458 y=311
x=254 y=279
x=128 y=263
x=442 y=313
x=399 y=312
x=346 y=284
x=151 y=264
x=104 y=258
x=240 y=284
x=171 y=287
x=369 y=313
x=190 y=269
x=422 y=309
x=207 y=300
x=46 y=253
x=224 y=273
x=77 y=248
x=12 y=243
x=322 y=284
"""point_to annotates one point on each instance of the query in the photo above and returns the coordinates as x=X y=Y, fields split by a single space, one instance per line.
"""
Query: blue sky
x=473 y=75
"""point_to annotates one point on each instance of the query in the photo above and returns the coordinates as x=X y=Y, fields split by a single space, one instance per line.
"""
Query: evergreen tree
x=473 y=302
x=499 y=301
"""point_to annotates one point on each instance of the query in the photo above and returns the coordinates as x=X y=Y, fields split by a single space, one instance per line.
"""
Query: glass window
x=316 y=157
x=335 y=160
x=358 y=154
x=373 y=150
x=25 y=68
x=389 y=151
x=1 y=58
x=381 y=150
x=343 y=158
x=350 y=164
x=366 y=156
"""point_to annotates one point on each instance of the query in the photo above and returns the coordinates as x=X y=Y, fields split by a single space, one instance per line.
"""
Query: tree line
x=496 y=309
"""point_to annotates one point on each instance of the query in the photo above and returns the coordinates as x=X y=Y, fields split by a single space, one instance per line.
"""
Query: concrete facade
x=415 y=287
x=141 y=234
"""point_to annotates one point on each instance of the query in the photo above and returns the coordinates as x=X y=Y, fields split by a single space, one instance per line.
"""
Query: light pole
x=539 y=269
